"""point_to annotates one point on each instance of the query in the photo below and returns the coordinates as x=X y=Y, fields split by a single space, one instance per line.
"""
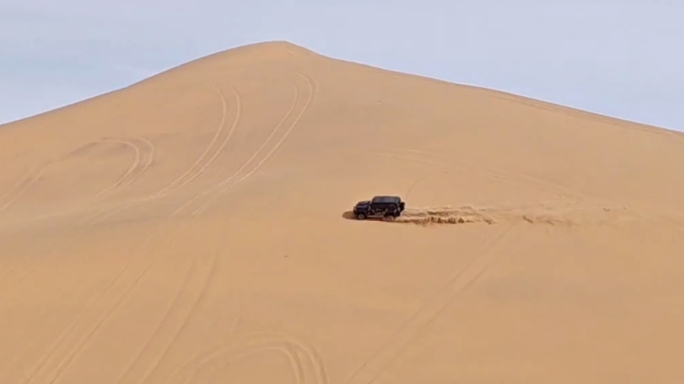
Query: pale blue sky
x=623 y=58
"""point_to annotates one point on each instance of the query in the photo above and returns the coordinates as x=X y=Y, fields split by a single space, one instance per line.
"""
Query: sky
x=622 y=58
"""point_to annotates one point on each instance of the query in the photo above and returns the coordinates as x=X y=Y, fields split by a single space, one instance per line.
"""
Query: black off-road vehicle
x=379 y=206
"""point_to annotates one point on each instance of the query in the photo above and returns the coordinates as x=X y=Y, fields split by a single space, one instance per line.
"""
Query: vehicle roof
x=386 y=199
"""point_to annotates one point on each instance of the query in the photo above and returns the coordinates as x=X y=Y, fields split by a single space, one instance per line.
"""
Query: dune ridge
x=194 y=227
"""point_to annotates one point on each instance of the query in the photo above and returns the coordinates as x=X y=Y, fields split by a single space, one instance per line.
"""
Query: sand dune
x=193 y=228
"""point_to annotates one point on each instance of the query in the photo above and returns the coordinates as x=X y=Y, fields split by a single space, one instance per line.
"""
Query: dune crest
x=193 y=228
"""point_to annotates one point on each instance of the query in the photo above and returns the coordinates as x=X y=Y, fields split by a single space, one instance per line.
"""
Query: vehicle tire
x=361 y=216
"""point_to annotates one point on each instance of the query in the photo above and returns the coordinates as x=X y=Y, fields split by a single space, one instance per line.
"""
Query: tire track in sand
x=194 y=285
x=304 y=359
x=570 y=195
x=137 y=168
x=11 y=196
x=108 y=312
x=519 y=179
x=188 y=175
x=462 y=278
x=191 y=273
x=143 y=160
x=224 y=184
x=91 y=221
x=71 y=330
x=7 y=200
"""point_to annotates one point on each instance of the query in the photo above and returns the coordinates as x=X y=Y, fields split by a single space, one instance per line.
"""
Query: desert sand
x=195 y=228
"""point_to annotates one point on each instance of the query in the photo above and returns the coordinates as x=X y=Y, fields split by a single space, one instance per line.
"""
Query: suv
x=379 y=206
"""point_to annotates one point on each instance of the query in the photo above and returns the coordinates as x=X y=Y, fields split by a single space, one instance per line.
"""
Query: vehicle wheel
x=361 y=216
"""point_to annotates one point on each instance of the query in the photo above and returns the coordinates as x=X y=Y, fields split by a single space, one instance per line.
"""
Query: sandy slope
x=192 y=228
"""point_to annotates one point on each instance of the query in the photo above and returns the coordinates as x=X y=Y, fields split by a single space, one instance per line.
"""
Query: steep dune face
x=194 y=228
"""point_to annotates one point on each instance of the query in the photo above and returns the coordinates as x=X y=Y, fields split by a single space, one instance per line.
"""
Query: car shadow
x=349 y=215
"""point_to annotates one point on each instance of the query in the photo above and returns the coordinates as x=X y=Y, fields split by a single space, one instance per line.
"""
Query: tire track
x=244 y=165
x=144 y=159
x=177 y=212
x=26 y=184
x=131 y=175
x=253 y=343
x=126 y=179
x=99 y=217
x=102 y=315
x=35 y=369
x=202 y=283
x=82 y=343
x=135 y=165
x=193 y=302
x=291 y=354
x=570 y=194
x=183 y=178
x=71 y=329
x=225 y=186
x=187 y=176
x=461 y=279
x=105 y=313
x=21 y=187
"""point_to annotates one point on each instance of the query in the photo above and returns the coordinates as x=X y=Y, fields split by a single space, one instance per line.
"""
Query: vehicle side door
x=376 y=208
x=372 y=208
